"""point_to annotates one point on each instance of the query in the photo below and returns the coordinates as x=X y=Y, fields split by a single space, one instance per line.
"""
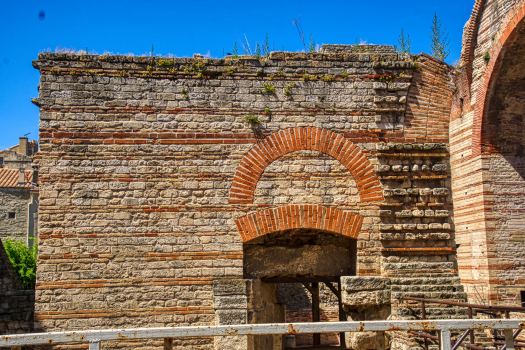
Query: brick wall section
x=136 y=175
x=428 y=106
x=16 y=305
x=480 y=170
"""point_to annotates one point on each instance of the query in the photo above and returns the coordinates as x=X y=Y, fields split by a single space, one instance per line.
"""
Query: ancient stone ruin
x=296 y=187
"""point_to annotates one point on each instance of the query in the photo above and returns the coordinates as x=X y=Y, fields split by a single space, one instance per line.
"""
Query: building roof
x=9 y=178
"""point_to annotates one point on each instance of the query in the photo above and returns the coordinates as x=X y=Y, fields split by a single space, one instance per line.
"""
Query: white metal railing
x=95 y=337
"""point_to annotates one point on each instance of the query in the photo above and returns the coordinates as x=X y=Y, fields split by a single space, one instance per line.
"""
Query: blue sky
x=182 y=28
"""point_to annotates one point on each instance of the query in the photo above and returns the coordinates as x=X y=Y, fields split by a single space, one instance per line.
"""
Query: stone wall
x=16 y=305
x=152 y=184
x=14 y=200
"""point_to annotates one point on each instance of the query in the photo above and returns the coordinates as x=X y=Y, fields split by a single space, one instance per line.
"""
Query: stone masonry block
x=366 y=298
x=226 y=317
x=362 y=283
x=230 y=287
x=230 y=302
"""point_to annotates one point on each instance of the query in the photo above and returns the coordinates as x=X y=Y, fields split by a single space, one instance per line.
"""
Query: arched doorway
x=298 y=254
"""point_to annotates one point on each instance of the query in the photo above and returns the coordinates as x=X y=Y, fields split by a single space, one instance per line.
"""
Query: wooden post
x=342 y=313
x=471 y=331
x=168 y=343
x=316 y=315
x=423 y=317
x=444 y=340
x=277 y=342
x=509 y=339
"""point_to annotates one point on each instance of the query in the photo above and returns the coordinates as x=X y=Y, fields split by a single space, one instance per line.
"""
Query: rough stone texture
x=16 y=305
x=152 y=185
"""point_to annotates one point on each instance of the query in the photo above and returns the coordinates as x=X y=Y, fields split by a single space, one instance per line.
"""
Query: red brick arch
x=507 y=34
x=299 y=216
x=285 y=141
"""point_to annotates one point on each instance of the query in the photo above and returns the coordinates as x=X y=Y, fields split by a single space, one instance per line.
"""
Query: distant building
x=18 y=192
x=19 y=156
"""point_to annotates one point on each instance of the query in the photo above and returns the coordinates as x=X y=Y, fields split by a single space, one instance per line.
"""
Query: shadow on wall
x=17 y=306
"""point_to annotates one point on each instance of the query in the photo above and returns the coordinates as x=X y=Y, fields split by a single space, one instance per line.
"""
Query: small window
x=522 y=298
x=11 y=215
x=1 y=160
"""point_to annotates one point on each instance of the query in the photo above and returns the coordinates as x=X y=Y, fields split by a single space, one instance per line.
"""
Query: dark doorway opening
x=305 y=266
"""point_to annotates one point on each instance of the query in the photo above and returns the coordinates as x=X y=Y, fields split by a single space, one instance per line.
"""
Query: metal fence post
x=509 y=339
x=277 y=342
x=94 y=345
x=168 y=343
x=444 y=340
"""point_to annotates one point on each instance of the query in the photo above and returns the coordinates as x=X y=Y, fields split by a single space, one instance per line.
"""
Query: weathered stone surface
x=230 y=287
x=358 y=283
x=225 y=317
x=230 y=302
x=366 y=298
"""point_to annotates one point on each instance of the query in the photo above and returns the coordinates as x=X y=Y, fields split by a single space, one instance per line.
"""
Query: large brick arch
x=285 y=141
x=508 y=33
x=299 y=216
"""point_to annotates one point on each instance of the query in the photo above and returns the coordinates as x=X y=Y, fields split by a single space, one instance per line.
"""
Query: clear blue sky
x=182 y=28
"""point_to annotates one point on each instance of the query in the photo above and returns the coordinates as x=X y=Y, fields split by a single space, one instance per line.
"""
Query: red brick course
x=298 y=139
x=299 y=216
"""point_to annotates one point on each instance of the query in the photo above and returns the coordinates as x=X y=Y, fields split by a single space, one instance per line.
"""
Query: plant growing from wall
x=311 y=43
x=486 y=56
x=185 y=93
x=267 y=111
x=404 y=43
x=235 y=51
x=230 y=70
x=299 y=26
x=269 y=88
x=344 y=75
x=440 y=45
x=166 y=63
x=266 y=46
x=287 y=92
x=23 y=259
x=252 y=119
